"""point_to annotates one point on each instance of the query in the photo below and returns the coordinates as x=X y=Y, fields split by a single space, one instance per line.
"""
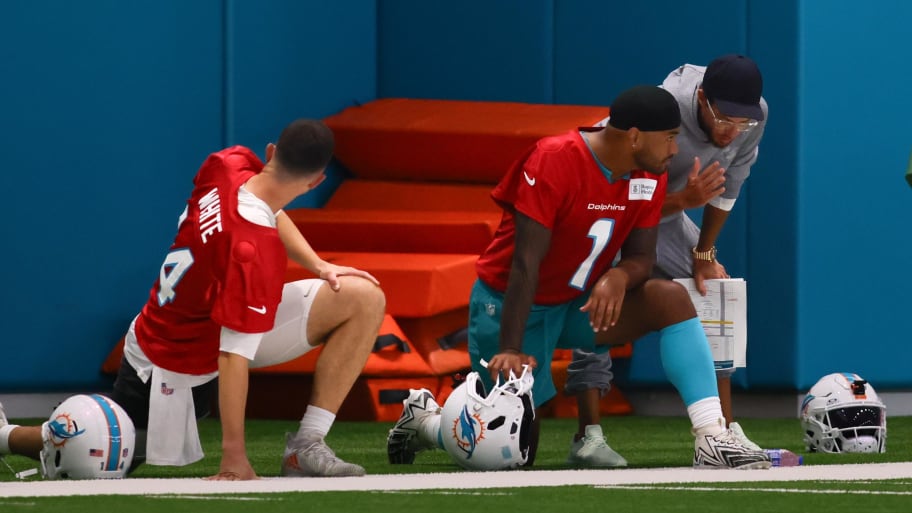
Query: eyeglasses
x=727 y=124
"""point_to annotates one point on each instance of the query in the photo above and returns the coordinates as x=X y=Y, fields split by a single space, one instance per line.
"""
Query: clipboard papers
x=723 y=313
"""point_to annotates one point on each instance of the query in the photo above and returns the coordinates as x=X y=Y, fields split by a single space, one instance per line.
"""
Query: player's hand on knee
x=605 y=301
x=332 y=272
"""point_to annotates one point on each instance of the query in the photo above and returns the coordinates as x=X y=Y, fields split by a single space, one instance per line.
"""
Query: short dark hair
x=305 y=146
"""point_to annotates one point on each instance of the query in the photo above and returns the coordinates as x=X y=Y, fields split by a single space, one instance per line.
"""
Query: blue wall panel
x=602 y=48
x=114 y=109
x=105 y=111
x=109 y=109
x=854 y=206
x=496 y=50
x=288 y=60
x=772 y=200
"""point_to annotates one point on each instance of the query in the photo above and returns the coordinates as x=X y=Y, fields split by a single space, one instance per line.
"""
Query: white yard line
x=456 y=480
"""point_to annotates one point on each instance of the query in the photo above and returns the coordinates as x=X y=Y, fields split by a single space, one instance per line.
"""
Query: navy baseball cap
x=734 y=84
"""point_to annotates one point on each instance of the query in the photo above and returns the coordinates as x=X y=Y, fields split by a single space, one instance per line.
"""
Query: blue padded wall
x=289 y=59
x=854 y=205
x=495 y=50
x=108 y=111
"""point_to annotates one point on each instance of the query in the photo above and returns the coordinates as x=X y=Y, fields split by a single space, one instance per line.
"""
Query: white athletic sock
x=4 y=438
x=706 y=417
x=429 y=430
x=315 y=423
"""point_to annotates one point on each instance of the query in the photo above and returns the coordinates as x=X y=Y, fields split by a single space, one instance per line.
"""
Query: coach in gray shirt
x=723 y=116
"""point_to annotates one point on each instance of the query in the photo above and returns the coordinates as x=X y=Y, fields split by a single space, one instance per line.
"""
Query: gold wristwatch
x=709 y=255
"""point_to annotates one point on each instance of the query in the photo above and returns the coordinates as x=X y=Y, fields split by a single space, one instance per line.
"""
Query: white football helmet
x=87 y=437
x=842 y=413
x=489 y=431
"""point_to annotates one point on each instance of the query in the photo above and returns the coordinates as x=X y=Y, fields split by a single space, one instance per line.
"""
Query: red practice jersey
x=559 y=184
x=222 y=270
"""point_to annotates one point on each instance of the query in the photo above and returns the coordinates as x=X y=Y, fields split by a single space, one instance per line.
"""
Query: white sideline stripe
x=773 y=490
x=454 y=480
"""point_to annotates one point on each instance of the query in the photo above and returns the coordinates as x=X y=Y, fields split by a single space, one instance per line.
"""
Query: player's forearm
x=233 y=384
x=713 y=221
x=518 y=300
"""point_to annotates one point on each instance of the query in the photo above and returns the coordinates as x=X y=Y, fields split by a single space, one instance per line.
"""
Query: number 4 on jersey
x=172 y=270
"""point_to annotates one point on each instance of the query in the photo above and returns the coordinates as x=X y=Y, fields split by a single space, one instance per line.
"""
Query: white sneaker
x=725 y=451
x=404 y=440
x=592 y=450
x=314 y=458
x=739 y=435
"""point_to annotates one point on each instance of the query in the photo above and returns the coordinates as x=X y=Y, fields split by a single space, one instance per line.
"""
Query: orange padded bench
x=390 y=361
x=416 y=284
x=446 y=140
x=395 y=231
x=423 y=196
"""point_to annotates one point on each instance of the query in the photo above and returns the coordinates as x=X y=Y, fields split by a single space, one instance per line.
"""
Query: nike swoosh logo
x=260 y=310
x=529 y=179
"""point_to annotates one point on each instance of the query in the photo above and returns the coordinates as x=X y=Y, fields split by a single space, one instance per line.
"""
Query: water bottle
x=784 y=458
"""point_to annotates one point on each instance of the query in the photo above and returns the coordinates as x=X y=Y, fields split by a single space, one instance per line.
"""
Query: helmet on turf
x=842 y=413
x=87 y=437
x=489 y=431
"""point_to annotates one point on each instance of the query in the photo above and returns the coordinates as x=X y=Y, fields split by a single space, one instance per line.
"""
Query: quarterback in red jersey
x=571 y=204
x=588 y=211
x=220 y=307
x=180 y=326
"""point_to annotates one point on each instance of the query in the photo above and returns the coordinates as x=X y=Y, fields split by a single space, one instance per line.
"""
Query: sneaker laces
x=322 y=451
x=591 y=443
x=727 y=437
x=314 y=457
x=742 y=438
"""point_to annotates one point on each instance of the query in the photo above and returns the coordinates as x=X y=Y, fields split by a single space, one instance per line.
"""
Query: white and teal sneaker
x=592 y=450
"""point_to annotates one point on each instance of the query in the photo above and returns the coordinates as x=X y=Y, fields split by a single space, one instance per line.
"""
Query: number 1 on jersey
x=600 y=233
x=172 y=270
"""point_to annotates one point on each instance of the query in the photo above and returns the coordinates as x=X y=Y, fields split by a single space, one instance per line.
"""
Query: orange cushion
x=389 y=361
x=446 y=140
x=415 y=284
x=425 y=333
x=388 y=195
x=400 y=231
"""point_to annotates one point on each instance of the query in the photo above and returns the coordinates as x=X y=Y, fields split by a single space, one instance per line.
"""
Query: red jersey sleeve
x=533 y=185
x=251 y=288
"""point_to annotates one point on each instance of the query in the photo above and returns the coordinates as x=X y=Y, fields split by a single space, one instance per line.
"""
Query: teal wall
x=108 y=109
x=854 y=241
